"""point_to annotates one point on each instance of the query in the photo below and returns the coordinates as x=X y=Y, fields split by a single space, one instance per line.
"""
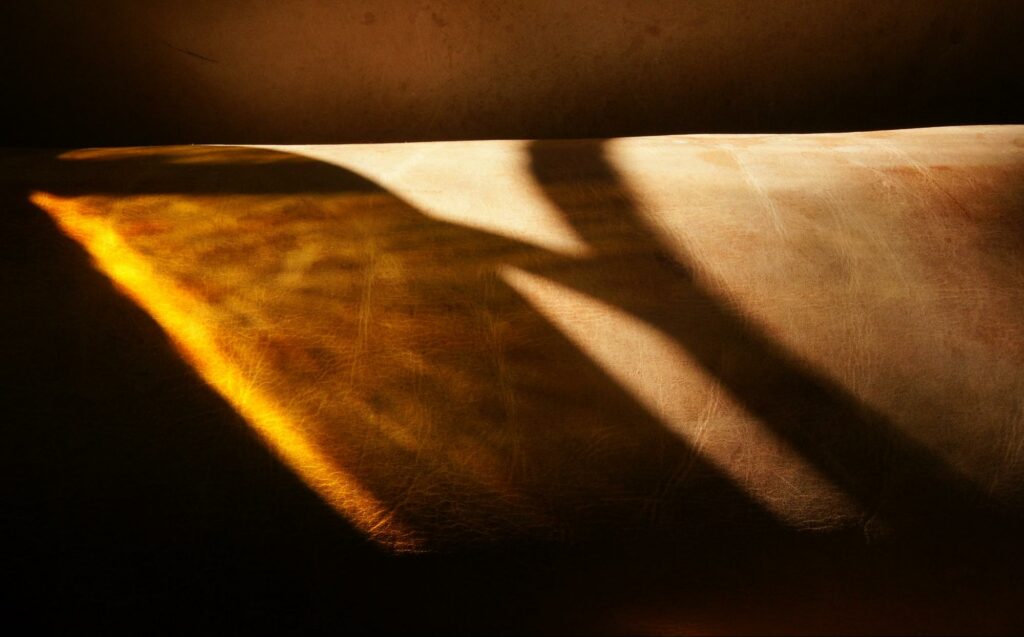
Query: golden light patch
x=191 y=324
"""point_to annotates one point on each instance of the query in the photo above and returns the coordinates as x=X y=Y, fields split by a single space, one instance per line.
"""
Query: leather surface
x=758 y=359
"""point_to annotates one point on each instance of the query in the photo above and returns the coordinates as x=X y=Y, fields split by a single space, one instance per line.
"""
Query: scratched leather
x=801 y=332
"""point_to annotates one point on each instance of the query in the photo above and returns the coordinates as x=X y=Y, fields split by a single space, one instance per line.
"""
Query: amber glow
x=188 y=322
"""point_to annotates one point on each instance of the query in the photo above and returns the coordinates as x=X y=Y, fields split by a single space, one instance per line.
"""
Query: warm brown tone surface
x=117 y=72
x=655 y=384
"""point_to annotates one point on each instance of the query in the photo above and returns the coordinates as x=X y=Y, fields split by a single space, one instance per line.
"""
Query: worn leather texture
x=665 y=384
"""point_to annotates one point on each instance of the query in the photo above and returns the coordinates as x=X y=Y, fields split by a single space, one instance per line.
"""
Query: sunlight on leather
x=496 y=195
x=449 y=355
x=375 y=348
x=364 y=341
x=664 y=379
x=194 y=328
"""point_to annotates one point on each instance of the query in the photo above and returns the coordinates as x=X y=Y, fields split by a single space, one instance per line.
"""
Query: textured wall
x=118 y=72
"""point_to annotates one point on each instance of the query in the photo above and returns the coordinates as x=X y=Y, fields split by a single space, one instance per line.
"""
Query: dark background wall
x=111 y=72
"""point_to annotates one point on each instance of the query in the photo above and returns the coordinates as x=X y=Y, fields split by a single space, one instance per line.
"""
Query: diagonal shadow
x=860 y=450
x=132 y=491
x=651 y=483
